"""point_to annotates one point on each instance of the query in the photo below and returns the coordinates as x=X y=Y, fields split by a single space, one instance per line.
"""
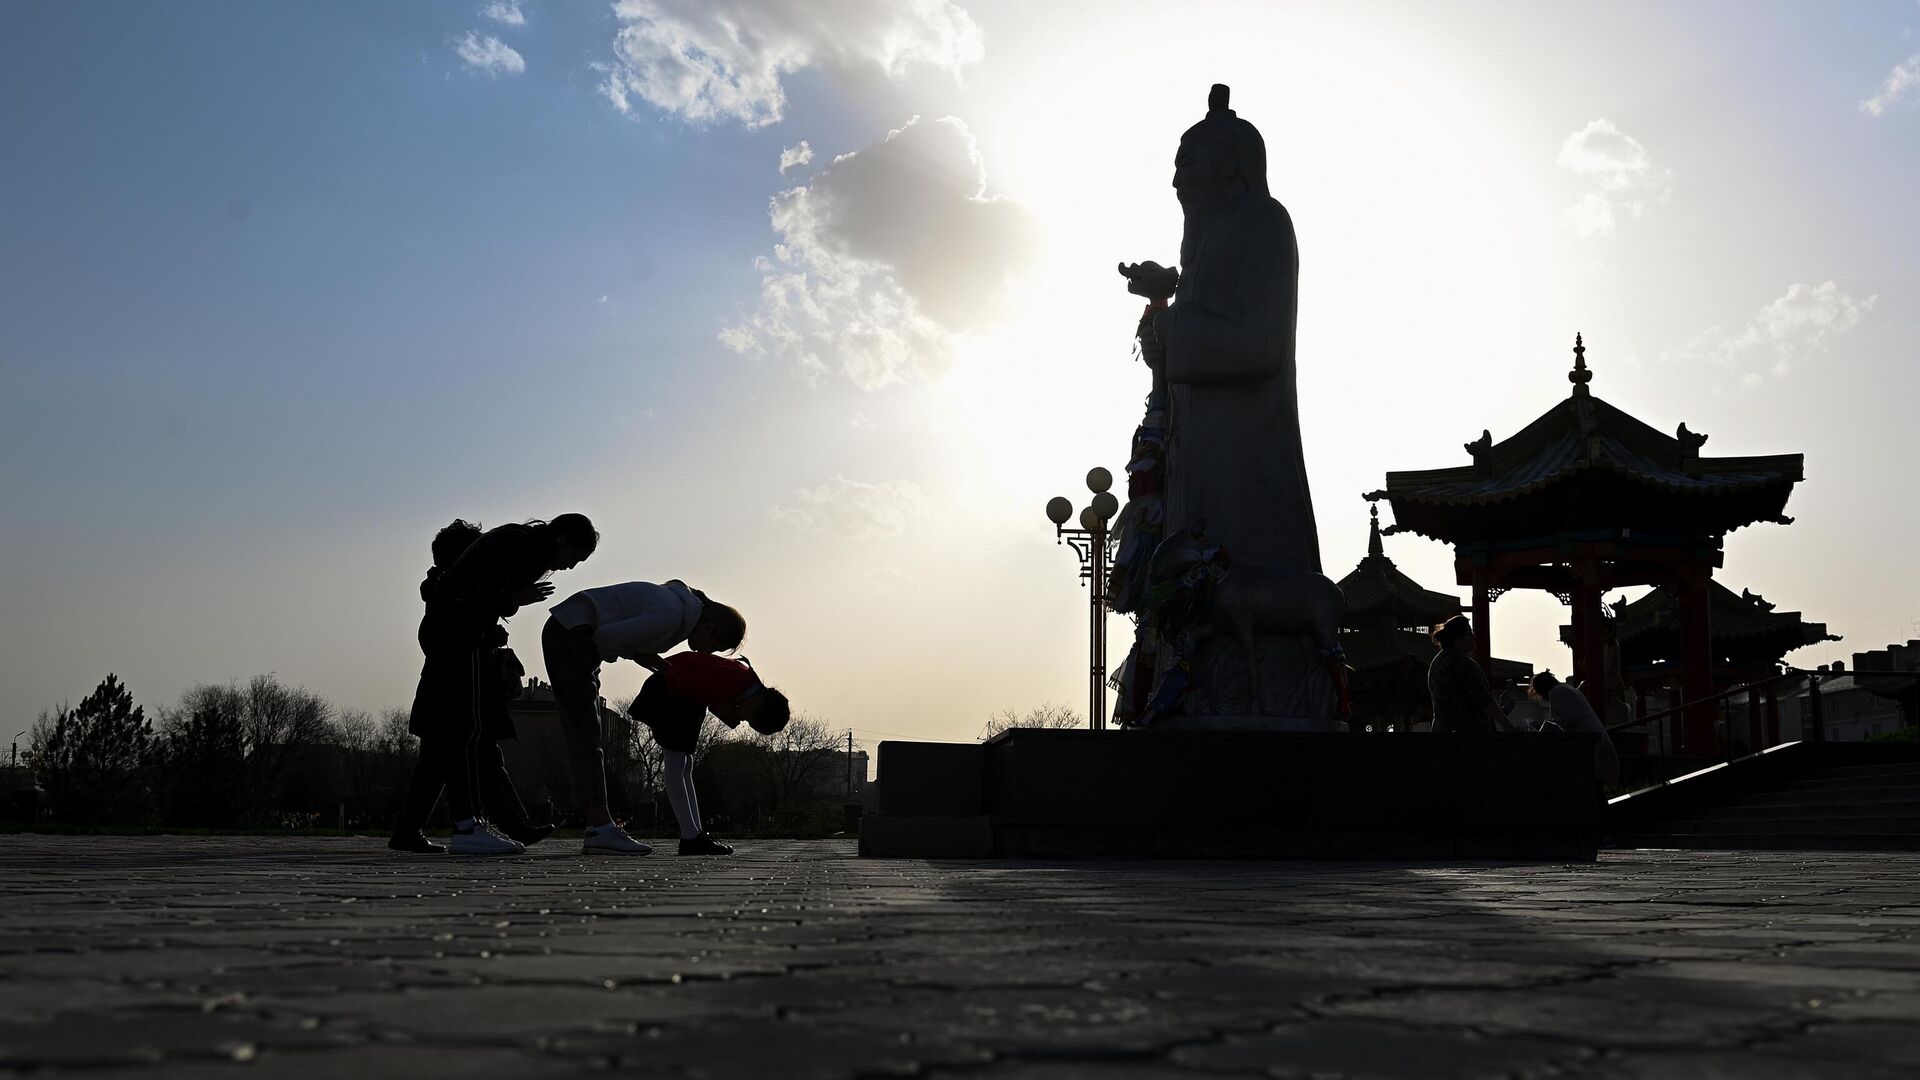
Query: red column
x=1589 y=646
x=1773 y=715
x=1756 y=720
x=1482 y=629
x=1696 y=664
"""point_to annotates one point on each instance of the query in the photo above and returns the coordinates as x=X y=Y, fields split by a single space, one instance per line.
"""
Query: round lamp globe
x=1059 y=510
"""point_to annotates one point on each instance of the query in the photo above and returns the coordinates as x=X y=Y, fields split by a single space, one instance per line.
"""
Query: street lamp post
x=1089 y=541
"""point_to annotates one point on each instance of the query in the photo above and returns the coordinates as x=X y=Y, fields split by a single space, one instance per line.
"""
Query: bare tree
x=1046 y=715
x=281 y=722
x=358 y=736
x=800 y=757
x=276 y=724
x=396 y=735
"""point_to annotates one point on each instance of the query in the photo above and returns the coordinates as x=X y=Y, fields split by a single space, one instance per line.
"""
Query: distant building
x=845 y=780
x=537 y=755
x=1880 y=696
x=1852 y=711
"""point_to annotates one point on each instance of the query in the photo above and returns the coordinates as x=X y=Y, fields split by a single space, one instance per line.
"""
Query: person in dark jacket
x=458 y=702
x=496 y=791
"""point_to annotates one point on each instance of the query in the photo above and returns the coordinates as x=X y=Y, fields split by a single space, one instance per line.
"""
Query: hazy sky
x=285 y=287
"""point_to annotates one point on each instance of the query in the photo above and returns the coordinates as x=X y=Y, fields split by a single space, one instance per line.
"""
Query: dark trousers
x=573 y=670
x=444 y=763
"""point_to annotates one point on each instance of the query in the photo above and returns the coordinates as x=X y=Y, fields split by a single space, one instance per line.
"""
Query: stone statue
x=1224 y=351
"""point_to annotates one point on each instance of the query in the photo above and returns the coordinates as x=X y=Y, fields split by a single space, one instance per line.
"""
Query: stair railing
x=1659 y=724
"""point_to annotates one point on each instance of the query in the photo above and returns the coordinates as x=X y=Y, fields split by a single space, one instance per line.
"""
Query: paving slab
x=154 y=957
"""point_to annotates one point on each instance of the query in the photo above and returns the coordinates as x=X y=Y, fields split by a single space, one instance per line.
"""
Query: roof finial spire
x=1373 y=539
x=1579 y=376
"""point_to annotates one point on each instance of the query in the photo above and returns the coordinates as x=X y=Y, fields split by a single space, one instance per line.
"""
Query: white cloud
x=1796 y=328
x=710 y=60
x=1903 y=81
x=488 y=54
x=795 y=156
x=1620 y=175
x=505 y=12
x=849 y=508
x=884 y=257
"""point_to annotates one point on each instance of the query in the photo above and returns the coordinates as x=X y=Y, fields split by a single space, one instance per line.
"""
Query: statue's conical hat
x=1234 y=145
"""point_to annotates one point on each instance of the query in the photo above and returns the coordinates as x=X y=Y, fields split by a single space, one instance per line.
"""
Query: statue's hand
x=1150 y=279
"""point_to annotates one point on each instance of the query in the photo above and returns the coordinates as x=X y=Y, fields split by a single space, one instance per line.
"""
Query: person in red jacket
x=674 y=702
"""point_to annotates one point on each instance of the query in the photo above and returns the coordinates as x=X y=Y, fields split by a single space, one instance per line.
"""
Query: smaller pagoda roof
x=1585 y=458
x=1378 y=593
x=1369 y=651
x=1740 y=625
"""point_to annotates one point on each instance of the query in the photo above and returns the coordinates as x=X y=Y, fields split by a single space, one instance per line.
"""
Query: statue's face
x=1197 y=179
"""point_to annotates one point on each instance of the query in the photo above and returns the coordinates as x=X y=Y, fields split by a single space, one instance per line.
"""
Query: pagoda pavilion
x=1748 y=641
x=1587 y=498
x=1385 y=636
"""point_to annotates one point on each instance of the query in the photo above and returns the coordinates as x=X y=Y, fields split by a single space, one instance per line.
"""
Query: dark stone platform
x=1237 y=794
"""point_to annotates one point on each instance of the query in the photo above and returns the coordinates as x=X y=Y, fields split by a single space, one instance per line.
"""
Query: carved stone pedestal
x=1247 y=723
x=1238 y=794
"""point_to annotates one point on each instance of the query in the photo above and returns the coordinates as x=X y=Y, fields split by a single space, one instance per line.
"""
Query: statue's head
x=1220 y=157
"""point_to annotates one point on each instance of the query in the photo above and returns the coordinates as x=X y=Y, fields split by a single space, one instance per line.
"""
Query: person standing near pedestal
x=638 y=621
x=1462 y=700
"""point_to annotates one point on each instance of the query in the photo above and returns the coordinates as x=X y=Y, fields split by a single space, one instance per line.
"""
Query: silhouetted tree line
x=254 y=754
x=262 y=754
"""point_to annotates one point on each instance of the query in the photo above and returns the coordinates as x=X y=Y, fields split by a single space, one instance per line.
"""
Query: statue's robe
x=1235 y=461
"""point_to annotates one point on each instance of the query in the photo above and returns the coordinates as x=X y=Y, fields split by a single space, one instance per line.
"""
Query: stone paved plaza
x=156 y=957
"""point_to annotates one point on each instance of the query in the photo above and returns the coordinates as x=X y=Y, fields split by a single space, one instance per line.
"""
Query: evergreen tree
x=96 y=760
x=207 y=778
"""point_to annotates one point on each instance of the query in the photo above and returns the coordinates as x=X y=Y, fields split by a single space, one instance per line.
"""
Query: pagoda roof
x=1584 y=465
x=1372 y=650
x=1378 y=593
x=1742 y=625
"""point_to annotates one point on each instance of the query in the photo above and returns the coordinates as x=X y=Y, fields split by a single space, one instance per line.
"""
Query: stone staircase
x=1835 y=802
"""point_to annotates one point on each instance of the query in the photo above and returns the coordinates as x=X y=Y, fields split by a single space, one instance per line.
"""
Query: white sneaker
x=483 y=839
x=612 y=840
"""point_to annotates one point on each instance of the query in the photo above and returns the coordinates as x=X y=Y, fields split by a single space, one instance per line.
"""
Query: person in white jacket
x=1569 y=711
x=638 y=621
